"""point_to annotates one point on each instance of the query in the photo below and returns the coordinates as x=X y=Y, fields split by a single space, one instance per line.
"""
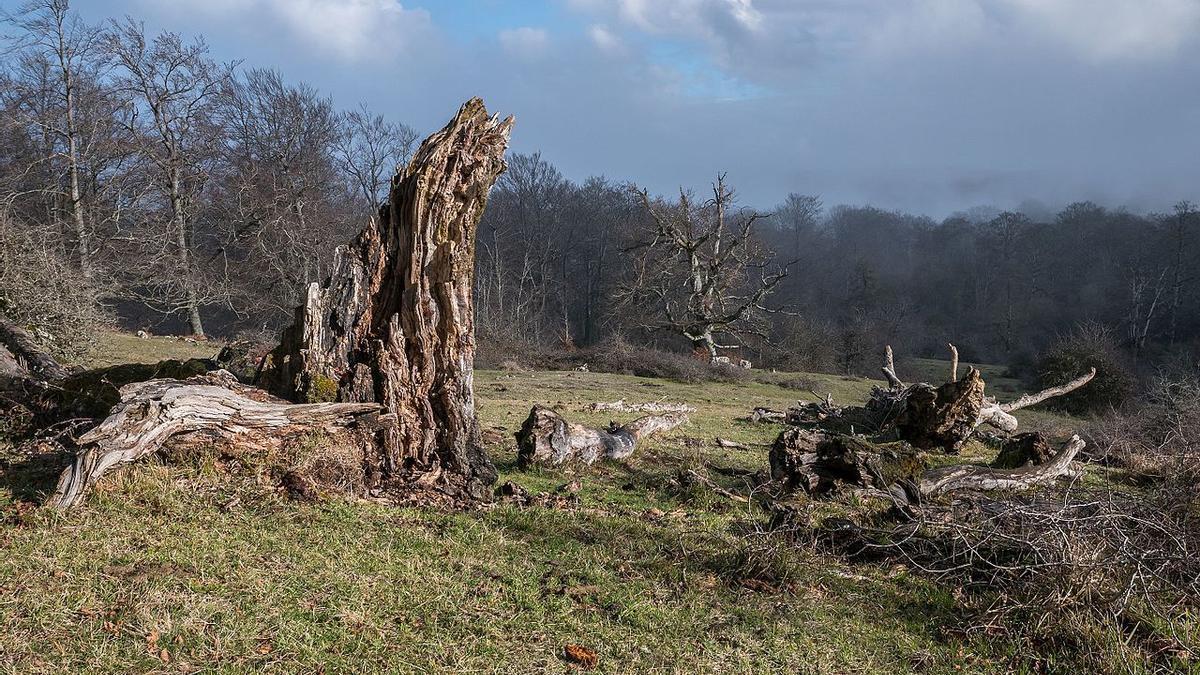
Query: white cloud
x=525 y=42
x=605 y=40
x=1106 y=30
x=351 y=30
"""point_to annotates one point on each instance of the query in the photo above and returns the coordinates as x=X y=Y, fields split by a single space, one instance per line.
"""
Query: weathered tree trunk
x=999 y=415
x=972 y=477
x=34 y=360
x=818 y=462
x=546 y=438
x=394 y=324
x=207 y=410
x=940 y=417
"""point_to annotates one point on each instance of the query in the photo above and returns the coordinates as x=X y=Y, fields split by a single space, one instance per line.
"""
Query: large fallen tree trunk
x=210 y=410
x=818 y=463
x=547 y=439
x=394 y=324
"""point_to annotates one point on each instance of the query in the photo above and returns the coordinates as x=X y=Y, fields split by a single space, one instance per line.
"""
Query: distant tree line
x=141 y=179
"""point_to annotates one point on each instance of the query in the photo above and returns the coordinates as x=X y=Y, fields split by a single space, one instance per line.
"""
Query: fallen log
x=972 y=477
x=655 y=407
x=28 y=356
x=999 y=415
x=819 y=463
x=547 y=439
x=395 y=323
x=207 y=410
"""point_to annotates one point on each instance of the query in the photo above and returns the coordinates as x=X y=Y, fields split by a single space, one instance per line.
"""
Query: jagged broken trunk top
x=395 y=324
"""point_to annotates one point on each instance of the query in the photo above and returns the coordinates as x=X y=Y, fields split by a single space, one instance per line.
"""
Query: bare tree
x=369 y=151
x=280 y=197
x=174 y=86
x=703 y=267
x=57 y=48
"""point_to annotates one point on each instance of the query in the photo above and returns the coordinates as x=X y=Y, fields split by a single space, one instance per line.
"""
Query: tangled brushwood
x=1030 y=564
x=1031 y=550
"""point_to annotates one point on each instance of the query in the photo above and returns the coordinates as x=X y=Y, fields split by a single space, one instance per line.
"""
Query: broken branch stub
x=395 y=323
x=548 y=439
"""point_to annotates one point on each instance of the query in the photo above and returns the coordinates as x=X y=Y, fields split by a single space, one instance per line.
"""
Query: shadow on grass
x=30 y=475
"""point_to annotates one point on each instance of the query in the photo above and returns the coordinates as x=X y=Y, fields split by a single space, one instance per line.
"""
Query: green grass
x=180 y=568
x=115 y=348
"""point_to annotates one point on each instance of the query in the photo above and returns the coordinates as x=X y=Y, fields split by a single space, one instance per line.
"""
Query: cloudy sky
x=923 y=105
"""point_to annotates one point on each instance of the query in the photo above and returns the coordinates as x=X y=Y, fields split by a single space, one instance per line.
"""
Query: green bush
x=1089 y=346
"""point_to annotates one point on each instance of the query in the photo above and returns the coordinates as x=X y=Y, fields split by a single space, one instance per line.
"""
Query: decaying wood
x=394 y=324
x=31 y=358
x=938 y=417
x=889 y=369
x=209 y=410
x=999 y=415
x=654 y=407
x=547 y=439
x=925 y=415
x=730 y=445
x=971 y=477
x=953 y=361
x=1023 y=450
x=767 y=415
x=819 y=462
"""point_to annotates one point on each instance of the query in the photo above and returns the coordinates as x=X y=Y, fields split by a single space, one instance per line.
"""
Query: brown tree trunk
x=395 y=322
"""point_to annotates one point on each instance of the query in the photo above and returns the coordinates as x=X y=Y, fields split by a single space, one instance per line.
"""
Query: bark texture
x=394 y=324
x=207 y=410
x=548 y=439
x=25 y=351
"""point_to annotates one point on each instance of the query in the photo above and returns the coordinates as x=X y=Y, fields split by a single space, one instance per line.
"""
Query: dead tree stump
x=395 y=324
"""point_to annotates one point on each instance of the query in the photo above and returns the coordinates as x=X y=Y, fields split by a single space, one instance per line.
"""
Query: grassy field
x=177 y=567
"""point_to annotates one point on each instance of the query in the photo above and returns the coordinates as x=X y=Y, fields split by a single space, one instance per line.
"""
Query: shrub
x=1089 y=346
x=43 y=292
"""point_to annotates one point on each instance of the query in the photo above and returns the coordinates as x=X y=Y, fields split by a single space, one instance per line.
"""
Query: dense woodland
x=144 y=183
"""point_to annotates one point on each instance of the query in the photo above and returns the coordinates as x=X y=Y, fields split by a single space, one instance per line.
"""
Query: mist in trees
x=142 y=180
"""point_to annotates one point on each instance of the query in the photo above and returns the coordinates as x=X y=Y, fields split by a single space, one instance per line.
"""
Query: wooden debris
x=207 y=410
x=546 y=438
x=654 y=407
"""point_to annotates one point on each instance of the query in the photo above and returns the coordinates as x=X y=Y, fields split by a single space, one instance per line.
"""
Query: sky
x=928 y=106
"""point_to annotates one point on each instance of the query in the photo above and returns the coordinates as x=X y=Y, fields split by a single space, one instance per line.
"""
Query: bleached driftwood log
x=654 y=407
x=818 y=462
x=973 y=477
x=999 y=415
x=394 y=324
x=547 y=439
x=209 y=410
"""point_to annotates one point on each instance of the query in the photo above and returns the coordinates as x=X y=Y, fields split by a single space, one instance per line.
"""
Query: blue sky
x=924 y=105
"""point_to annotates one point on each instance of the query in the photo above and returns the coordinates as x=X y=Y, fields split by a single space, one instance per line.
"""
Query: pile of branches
x=1033 y=563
